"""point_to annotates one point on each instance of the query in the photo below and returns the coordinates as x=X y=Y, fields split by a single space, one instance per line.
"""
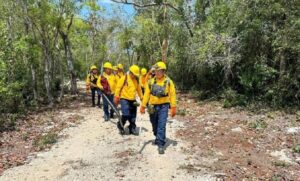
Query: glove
x=173 y=111
x=142 y=110
x=116 y=100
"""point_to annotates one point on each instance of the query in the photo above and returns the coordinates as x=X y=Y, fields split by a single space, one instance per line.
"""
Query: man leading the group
x=160 y=94
x=127 y=89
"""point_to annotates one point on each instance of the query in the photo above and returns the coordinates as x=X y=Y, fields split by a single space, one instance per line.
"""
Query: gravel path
x=94 y=151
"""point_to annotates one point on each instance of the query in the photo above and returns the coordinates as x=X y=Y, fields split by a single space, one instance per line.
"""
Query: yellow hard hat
x=144 y=71
x=160 y=66
x=135 y=70
x=115 y=68
x=120 y=66
x=93 y=67
x=107 y=65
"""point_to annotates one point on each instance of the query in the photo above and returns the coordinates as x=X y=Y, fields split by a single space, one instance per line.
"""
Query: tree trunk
x=165 y=42
x=34 y=87
x=165 y=50
x=70 y=61
x=282 y=64
x=47 y=62
x=28 y=56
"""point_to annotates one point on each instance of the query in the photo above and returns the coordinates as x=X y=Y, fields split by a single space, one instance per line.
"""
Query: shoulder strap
x=150 y=83
x=167 y=82
x=125 y=82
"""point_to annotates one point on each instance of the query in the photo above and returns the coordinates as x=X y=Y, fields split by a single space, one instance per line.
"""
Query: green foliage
x=8 y=122
x=281 y=164
x=296 y=149
x=46 y=140
x=182 y=112
x=232 y=98
x=258 y=124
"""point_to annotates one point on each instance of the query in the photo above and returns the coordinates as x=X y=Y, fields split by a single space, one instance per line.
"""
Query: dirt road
x=94 y=150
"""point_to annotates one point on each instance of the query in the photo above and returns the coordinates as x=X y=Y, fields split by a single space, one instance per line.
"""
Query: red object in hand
x=142 y=110
x=173 y=111
x=116 y=100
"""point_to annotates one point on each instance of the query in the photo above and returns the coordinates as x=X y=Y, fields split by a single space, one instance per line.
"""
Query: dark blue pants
x=159 y=122
x=94 y=90
x=105 y=106
x=129 y=111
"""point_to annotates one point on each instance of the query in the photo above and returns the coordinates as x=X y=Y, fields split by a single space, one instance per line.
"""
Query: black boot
x=161 y=150
x=111 y=114
x=133 y=132
x=121 y=129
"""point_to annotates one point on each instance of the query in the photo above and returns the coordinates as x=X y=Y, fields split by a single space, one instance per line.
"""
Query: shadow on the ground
x=169 y=142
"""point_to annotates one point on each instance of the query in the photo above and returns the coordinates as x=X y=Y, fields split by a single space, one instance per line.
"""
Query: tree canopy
x=240 y=50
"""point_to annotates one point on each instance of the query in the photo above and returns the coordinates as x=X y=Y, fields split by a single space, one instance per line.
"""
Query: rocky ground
x=205 y=142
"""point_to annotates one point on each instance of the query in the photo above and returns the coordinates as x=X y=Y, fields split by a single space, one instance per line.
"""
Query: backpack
x=159 y=91
x=93 y=79
x=105 y=85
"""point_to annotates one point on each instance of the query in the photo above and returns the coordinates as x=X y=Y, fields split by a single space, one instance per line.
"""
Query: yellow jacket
x=144 y=80
x=129 y=89
x=153 y=100
x=112 y=81
x=91 y=80
x=119 y=75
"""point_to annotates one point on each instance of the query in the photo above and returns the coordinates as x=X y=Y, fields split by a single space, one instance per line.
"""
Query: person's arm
x=139 y=91
x=87 y=82
x=119 y=87
x=172 y=94
x=99 y=85
x=146 y=96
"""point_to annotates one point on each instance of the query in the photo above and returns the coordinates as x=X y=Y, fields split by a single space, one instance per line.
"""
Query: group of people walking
x=156 y=92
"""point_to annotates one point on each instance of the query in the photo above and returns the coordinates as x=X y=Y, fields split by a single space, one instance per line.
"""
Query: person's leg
x=111 y=98
x=132 y=120
x=105 y=109
x=154 y=123
x=125 y=110
x=99 y=97
x=93 y=96
x=161 y=127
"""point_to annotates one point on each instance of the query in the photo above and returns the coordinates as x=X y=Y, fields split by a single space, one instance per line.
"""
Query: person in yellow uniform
x=127 y=89
x=160 y=93
x=107 y=83
x=115 y=72
x=143 y=79
x=91 y=84
x=120 y=70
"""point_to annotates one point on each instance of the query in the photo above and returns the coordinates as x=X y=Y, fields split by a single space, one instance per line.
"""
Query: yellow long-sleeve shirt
x=144 y=80
x=119 y=75
x=112 y=81
x=91 y=80
x=153 y=100
x=129 y=89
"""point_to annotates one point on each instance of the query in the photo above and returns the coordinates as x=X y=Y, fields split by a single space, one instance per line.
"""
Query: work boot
x=112 y=115
x=133 y=132
x=106 y=118
x=121 y=129
x=161 y=150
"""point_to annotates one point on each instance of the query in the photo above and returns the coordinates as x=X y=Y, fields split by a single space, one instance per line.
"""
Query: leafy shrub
x=46 y=140
x=232 y=98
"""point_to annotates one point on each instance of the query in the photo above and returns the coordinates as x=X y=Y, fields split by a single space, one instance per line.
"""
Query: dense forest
x=241 y=51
